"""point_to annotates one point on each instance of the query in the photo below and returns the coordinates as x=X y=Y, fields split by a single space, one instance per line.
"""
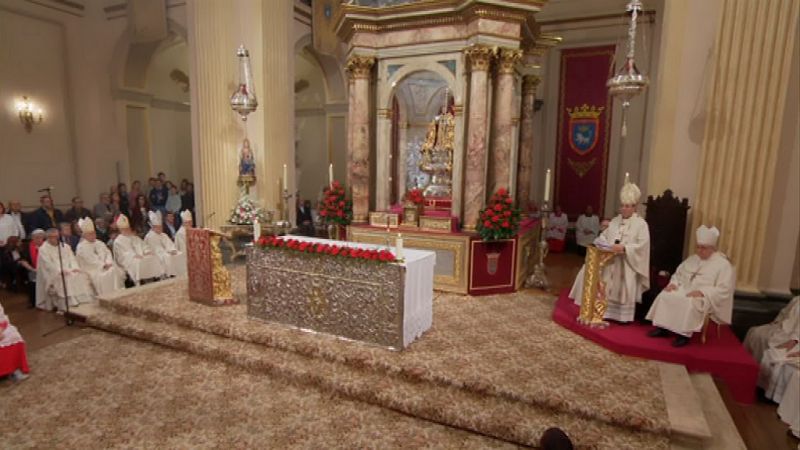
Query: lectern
x=594 y=302
x=209 y=280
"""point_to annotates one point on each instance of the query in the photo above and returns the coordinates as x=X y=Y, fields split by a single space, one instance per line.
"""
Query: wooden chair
x=706 y=323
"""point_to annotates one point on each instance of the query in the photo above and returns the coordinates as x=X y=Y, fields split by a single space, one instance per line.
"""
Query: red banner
x=583 y=129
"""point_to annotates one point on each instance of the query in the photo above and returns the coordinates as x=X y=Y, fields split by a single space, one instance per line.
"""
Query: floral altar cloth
x=388 y=304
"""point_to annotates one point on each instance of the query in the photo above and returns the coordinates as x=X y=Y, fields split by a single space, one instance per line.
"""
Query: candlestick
x=547 y=186
x=285 y=178
x=256 y=229
x=330 y=175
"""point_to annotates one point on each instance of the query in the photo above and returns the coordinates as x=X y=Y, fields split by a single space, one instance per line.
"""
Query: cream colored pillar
x=500 y=163
x=277 y=101
x=752 y=60
x=215 y=128
x=360 y=70
x=475 y=172
x=525 y=165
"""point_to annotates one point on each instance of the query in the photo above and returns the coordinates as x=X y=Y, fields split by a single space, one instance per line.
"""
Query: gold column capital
x=480 y=56
x=530 y=83
x=385 y=113
x=507 y=59
x=360 y=66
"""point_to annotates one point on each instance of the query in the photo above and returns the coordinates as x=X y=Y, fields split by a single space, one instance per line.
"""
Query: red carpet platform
x=722 y=357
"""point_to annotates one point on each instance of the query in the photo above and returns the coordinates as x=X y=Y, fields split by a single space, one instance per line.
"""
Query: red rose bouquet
x=415 y=196
x=335 y=208
x=323 y=249
x=499 y=220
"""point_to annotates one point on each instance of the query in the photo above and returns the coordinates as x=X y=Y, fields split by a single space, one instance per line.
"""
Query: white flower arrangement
x=245 y=212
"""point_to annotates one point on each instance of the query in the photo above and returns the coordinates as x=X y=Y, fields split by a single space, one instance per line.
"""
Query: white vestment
x=785 y=327
x=180 y=240
x=93 y=257
x=714 y=277
x=557 y=226
x=789 y=408
x=627 y=276
x=137 y=258
x=776 y=370
x=11 y=335
x=586 y=229
x=174 y=261
x=49 y=285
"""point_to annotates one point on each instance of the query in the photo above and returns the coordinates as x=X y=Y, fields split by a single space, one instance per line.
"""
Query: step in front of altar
x=458 y=407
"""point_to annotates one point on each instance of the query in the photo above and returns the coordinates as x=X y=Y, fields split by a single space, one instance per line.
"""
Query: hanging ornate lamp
x=628 y=82
x=243 y=100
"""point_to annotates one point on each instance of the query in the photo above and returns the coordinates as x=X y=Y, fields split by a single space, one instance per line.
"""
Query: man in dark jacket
x=46 y=216
x=77 y=211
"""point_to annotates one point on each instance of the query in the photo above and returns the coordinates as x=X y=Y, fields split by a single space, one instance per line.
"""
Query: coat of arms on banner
x=584 y=127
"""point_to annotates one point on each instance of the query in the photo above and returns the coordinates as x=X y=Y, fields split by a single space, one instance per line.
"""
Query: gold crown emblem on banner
x=585 y=112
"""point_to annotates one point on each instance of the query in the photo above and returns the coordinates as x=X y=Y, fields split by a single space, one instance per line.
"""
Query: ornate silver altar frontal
x=354 y=299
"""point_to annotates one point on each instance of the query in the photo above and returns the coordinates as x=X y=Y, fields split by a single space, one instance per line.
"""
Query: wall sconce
x=29 y=113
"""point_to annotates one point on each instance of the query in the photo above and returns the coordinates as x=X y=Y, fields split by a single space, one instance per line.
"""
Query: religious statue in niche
x=437 y=152
x=247 y=166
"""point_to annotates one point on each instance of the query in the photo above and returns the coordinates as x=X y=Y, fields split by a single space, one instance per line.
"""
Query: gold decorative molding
x=384 y=113
x=436 y=224
x=507 y=59
x=545 y=42
x=480 y=56
x=530 y=83
x=360 y=66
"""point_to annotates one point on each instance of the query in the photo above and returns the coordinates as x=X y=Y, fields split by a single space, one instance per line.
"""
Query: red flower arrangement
x=318 y=248
x=415 y=196
x=335 y=207
x=499 y=220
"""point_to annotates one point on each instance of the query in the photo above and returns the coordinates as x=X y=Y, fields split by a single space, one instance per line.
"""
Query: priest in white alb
x=587 y=228
x=49 y=283
x=95 y=259
x=180 y=235
x=627 y=275
x=174 y=261
x=784 y=328
x=557 y=230
x=701 y=287
x=133 y=255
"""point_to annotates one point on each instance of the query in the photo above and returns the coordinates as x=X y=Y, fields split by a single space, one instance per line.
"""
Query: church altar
x=388 y=304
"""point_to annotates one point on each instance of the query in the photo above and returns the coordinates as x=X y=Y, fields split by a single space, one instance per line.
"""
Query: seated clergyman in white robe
x=702 y=286
x=133 y=255
x=95 y=259
x=49 y=283
x=785 y=327
x=174 y=261
x=180 y=235
x=587 y=228
x=626 y=276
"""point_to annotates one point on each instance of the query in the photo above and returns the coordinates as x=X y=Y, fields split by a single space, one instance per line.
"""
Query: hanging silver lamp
x=243 y=100
x=628 y=82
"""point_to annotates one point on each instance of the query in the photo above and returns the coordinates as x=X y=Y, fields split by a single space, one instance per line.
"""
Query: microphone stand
x=68 y=320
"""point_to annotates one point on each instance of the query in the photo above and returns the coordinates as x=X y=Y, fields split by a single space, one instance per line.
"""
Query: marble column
x=525 y=164
x=215 y=128
x=360 y=70
x=475 y=172
x=736 y=177
x=500 y=162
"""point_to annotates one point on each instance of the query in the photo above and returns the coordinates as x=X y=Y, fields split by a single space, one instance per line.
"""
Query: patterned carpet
x=493 y=365
x=105 y=391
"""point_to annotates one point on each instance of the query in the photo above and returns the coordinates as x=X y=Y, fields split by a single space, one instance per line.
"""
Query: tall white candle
x=285 y=177
x=627 y=178
x=256 y=229
x=547 y=186
x=330 y=174
x=398 y=245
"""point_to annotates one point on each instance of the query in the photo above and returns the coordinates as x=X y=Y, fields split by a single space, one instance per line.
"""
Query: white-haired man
x=627 y=276
x=702 y=285
x=174 y=262
x=134 y=255
x=49 y=284
x=95 y=259
x=180 y=236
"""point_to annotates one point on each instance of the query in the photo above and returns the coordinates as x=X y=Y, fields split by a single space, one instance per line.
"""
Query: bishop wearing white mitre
x=180 y=235
x=95 y=259
x=627 y=276
x=49 y=284
x=702 y=285
x=134 y=255
x=174 y=261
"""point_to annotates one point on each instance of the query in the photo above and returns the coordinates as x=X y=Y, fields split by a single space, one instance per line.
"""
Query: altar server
x=49 y=284
x=173 y=261
x=702 y=286
x=13 y=359
x=130 y=252
x=557 y=230
x=180 y=236
x=627 y=276
x=95 y=259
x=587 y=228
